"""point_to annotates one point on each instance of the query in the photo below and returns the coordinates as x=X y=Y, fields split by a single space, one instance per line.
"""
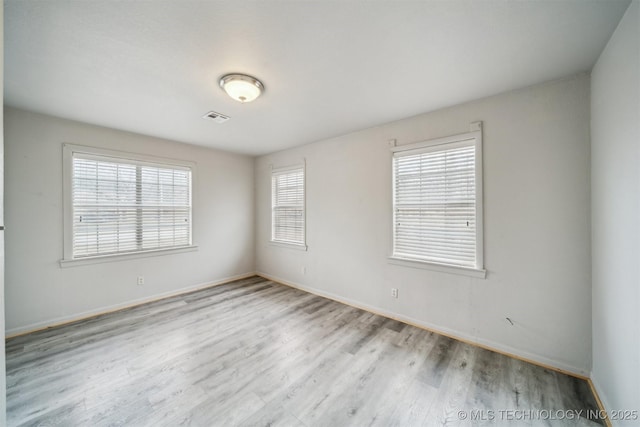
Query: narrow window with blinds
x=287 y=206
x=122 y=206
x=437 y=187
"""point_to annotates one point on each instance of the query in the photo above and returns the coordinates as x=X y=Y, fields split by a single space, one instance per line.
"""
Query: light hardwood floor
x=257 y=353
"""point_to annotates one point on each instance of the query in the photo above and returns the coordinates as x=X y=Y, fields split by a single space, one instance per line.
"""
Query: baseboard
x=459 y=336
x=59 y=321
x=593 y=383
x=487 y=344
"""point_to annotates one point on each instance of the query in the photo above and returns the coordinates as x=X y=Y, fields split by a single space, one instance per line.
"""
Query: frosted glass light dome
x=241 y=87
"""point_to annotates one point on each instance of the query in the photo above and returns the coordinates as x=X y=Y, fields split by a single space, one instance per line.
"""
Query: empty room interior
x=320 y=213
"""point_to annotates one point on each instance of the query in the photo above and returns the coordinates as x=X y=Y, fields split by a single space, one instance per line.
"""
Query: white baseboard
x=500 y=348
x=460 y=336
x=21 y=330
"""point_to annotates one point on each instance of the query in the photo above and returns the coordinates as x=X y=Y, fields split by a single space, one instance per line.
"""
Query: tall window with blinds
x=122 y=206
x=437 y=202
x=288 y=206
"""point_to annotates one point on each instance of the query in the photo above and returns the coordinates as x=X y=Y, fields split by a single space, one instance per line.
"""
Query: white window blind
x=124 y=206
x=435 y=204
x=288 y=216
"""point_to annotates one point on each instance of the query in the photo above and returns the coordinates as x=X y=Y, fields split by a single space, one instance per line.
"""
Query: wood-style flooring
x=257 y=353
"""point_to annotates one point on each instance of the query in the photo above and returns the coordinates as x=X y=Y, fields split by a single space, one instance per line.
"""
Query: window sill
x=465 y=271
x=64 y=263
x=295 y=246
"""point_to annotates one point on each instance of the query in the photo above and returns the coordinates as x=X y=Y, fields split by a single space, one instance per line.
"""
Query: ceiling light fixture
x=241 y=87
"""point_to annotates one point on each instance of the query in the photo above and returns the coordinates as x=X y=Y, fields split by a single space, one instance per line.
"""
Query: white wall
x=40 y=292
x=615 y=181
x=537 y=227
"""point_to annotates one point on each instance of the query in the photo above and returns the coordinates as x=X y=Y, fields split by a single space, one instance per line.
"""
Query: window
x=119 y=203
x=437 y=201
x=287 y=206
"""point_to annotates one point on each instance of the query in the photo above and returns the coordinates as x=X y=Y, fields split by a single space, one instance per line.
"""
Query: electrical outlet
x=394 y=292
x=140 y=280
x=304 y=270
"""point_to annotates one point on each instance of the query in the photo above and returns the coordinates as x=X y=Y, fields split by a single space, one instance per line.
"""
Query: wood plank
x=254 y=352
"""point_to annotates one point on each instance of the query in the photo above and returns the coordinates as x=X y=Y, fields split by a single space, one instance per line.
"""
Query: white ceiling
x=329 y=67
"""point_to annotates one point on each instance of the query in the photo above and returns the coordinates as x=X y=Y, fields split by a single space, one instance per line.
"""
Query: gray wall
x=537 y=227
x=615 y=181
x=3 y=379
x=39 y=292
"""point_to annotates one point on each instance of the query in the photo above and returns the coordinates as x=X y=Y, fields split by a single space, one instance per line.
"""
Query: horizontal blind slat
x=435 y=205
x=287 y=192
x=128 y=207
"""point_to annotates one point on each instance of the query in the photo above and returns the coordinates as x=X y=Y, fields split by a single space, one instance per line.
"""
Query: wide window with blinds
x=288 y=206
x=437 y=201
x=125 y=205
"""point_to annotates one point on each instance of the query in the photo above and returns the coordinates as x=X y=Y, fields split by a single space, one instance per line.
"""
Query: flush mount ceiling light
x=241 y=87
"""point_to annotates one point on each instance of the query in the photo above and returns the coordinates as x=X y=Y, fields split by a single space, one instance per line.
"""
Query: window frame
x=430 y=145
x=299 y=246
x=68 y=151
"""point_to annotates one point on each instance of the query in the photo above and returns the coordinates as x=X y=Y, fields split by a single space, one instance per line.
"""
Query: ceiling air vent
x=216 y=117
